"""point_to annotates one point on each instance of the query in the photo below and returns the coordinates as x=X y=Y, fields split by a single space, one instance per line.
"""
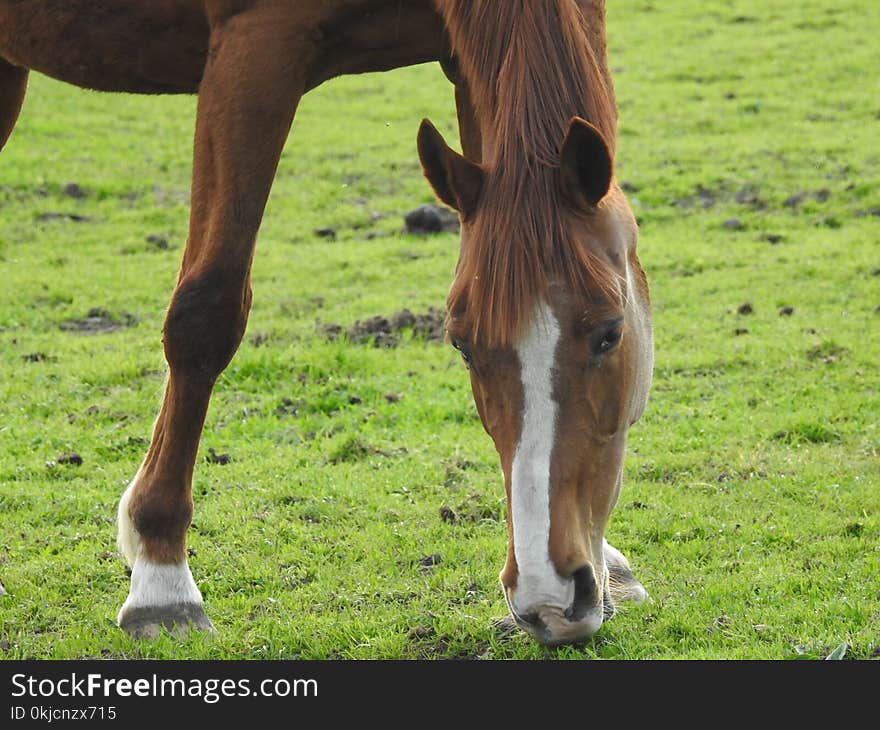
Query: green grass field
x=751 y=503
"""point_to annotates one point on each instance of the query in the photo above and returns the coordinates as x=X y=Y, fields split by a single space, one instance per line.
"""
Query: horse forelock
x=514 y=251
x=530 y=68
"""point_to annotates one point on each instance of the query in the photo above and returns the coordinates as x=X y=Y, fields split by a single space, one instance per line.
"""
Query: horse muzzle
x=554 y=625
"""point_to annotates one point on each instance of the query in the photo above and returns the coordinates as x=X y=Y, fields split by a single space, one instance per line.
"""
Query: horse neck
x=594 y=20
x=531 y=67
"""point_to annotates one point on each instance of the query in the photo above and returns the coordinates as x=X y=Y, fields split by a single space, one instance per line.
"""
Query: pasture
x=347 y=502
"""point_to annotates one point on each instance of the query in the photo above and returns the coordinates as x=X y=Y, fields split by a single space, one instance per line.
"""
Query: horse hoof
x=147 y=622
x=623 y=585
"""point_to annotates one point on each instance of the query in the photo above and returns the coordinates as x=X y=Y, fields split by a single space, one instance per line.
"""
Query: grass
x=750 y=505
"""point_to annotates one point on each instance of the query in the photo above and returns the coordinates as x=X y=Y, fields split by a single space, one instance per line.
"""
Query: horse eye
x=609 y=339
x=461 y=351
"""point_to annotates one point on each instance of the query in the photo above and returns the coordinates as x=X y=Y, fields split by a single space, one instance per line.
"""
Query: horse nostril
x=586 y=591
x=529 y=620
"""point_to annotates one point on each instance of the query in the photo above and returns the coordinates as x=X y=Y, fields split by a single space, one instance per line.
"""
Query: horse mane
x=530 y=68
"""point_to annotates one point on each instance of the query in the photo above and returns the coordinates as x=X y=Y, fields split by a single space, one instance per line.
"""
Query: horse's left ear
x=456 y=180
x=585 y=164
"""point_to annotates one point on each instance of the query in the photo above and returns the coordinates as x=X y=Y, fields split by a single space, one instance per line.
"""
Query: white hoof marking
x=152 y=584
x=155 y=585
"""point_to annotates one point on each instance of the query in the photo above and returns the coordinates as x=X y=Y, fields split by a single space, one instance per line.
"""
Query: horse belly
x=359 y=36
x=140 y=46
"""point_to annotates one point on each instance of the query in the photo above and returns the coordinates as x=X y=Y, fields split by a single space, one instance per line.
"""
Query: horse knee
x=161 y=518
x=205 y=323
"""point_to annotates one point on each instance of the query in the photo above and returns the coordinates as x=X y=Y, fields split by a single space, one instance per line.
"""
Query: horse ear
x=456 y=180
x=585 y=164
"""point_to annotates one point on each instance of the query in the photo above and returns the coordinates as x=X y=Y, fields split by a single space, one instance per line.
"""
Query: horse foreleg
x=251 y=86
x=13 y=83
x=468 y=128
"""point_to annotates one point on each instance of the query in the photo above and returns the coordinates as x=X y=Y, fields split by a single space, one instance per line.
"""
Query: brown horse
x=549 y=305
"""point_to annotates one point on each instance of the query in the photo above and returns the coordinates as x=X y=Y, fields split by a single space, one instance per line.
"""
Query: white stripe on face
x=538 y=583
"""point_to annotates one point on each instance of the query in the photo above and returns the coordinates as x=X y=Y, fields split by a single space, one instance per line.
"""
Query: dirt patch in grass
x=428 y=562
x=455 y=471
x=157 y=241
x=38 y=357
x=214 y=458
x=71 y=458
x=475 y=508
x=827 y=352
x=443 y=646
x=421 y=632
x=289 y=407
x=98 y=321
x=748 y=195
x=55 y=216
x=797 y=199
x=702 y=197
x=381 y=331
x=813 y=433
x=73 y=190
x=772 y=238
x=354 y=449
x=329 y=233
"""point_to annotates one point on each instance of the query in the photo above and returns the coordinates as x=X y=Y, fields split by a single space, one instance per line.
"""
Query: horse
x=549 y=305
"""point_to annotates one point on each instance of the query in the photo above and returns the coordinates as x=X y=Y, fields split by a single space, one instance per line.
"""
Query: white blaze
x=538 y=582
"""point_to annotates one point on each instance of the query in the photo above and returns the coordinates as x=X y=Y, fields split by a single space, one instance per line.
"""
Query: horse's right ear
x=585 y=164
x=456 y=180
